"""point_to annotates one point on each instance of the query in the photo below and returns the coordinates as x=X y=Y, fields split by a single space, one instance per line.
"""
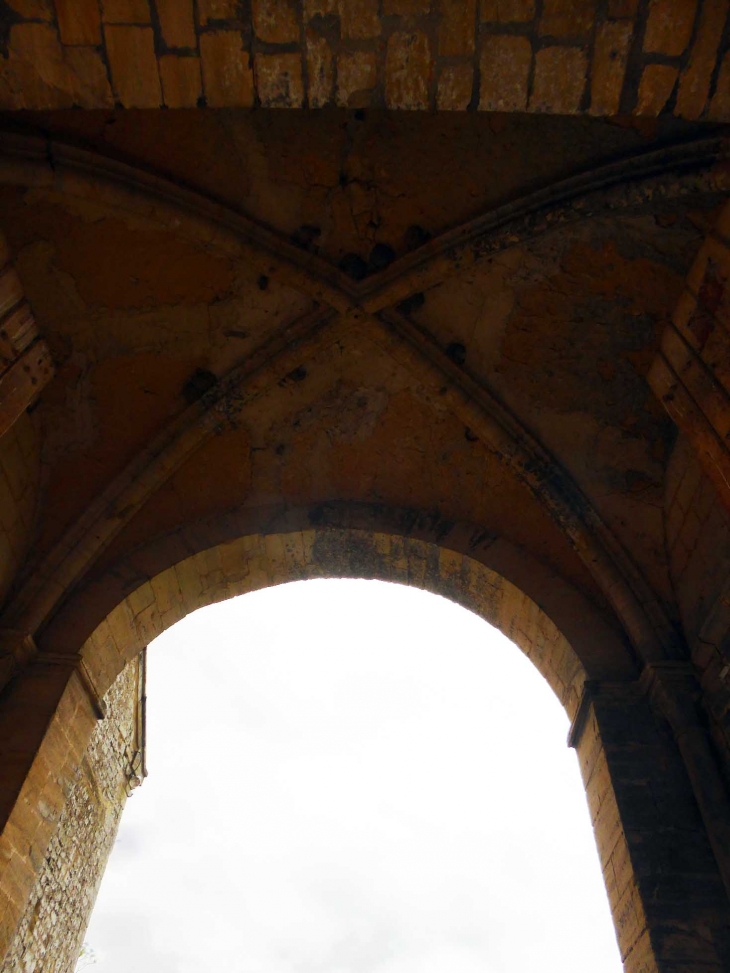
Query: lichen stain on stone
x=347 y=414
x=599 y=306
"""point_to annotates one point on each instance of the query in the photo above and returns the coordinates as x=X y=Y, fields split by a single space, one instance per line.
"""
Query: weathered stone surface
x=279 y=80
x=405 y=8
x=177 y=23
x=505 y=71
x=227 y=73
x=720 y=105
x=669 y=26
x=609 y=67
x=79 y=21
x=216 y=11
x=359 y=19
x=596 y=41
x=36 y=70
x=456 y=29
x=507 y=11
x=125 y=11
x=694 y=84
x=408 y=70
x=320 y=70
x=566 y=18
x=560 y=76
x=455 y=87
x=50 y=931
x=657 y=84
x=133 y=65
x=182 y=85
x=275 y=21
x=89 y=82
x=357 y=75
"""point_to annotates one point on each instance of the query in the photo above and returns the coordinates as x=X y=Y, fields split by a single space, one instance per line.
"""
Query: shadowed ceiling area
x=367 y=308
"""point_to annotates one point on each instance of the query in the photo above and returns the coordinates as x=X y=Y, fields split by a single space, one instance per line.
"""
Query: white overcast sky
x=352 y=777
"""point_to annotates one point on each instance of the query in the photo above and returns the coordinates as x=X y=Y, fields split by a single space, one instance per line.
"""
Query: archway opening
x=352 y=775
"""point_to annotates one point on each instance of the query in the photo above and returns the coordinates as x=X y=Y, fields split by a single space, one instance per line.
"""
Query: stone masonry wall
x=641 y=57
x=52 y=929
x=19 y=488
x=698 y=545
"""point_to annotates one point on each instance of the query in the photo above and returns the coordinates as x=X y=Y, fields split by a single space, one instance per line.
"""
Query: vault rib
x=664 y=174
x=628 y=184
x=53 y=580
x=618 y=577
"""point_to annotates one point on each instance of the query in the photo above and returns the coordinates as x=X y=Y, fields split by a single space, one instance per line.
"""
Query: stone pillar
x=47 y=715
x=669 y=903
x=51 y=928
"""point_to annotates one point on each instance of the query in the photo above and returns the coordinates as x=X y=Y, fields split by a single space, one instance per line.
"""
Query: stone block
x=357 y=75
x=177 y=23
x=507 y=11
x=79 y=21
x=125 y=11
x=622 y=9
x=505 y=70
x=694 y=83
x=455 y=87
x=359 y=19
x=320 y=70
x=279 y=80
x=35 y=70
x=133 y=66
x=227 y=74
x=560 y=79
x=669 y=26
x=408 y=70
x=657 y=84
x=89 y=80
x=567 y=18
x=719 y=109
x=32 y=9
x=319 y=8
x=182 y=84
x=405 y=8
x=217 y=11
x=456 y=29
x=275 y=21
x=609 y=67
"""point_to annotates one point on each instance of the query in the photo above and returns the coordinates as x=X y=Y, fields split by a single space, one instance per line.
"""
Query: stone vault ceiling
x=353 y=300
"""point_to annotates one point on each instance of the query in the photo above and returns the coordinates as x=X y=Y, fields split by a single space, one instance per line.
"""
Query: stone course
x=642 y=57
